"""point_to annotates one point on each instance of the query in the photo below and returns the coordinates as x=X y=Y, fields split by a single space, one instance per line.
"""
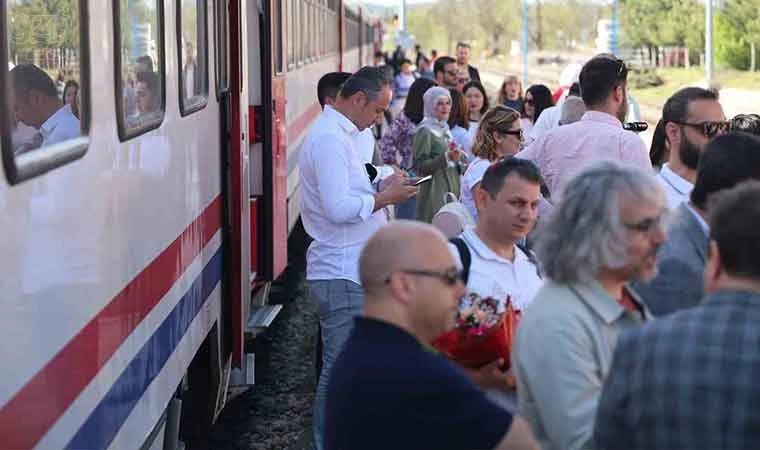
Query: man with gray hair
x=341 y=209
x=603 y=232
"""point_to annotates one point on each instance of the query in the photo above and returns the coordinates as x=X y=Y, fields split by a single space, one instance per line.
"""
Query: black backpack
x=466 y=257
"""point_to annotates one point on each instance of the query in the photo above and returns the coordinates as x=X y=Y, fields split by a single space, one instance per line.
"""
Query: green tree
x=743 y=33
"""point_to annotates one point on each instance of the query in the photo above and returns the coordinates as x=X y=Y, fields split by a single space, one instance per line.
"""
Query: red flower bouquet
x=482 y=334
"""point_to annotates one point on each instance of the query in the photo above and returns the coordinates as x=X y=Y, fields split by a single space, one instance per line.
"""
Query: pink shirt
x=564 y=150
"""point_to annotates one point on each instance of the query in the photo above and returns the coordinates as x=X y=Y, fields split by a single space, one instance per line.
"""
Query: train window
x=192 y=46
x=44 y=85
x=277 y=34
x=140 y=93
x=290 y=33
x=222 y=45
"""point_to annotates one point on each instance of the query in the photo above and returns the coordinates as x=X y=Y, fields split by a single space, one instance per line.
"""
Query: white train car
x=145 y=212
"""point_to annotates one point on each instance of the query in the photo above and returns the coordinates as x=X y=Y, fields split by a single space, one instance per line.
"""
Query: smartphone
x=422 y=180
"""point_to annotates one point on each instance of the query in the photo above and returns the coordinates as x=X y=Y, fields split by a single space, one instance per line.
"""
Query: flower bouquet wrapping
x=482 y=334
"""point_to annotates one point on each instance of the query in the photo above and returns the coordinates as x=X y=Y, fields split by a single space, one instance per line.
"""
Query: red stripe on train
x=302 y=122
x=26 y=418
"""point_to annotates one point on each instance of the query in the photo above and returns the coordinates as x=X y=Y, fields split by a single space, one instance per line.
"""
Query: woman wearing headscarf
x=433 y=156
x=396 y=144
x=499 y=136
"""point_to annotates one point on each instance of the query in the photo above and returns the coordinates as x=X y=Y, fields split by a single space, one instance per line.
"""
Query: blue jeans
x=407 y=210
x=338 y=302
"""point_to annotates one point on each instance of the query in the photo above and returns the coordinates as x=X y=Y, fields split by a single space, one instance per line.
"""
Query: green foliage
x=663 y=22
x=645 y=78
x=494 y=23
x=732 y=48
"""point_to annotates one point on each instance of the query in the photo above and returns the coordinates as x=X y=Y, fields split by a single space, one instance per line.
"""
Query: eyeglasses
x=709 y=129
x=648 y=225
x=518 y=133
x=528 y=101
x=449 y=276
x=453 y=73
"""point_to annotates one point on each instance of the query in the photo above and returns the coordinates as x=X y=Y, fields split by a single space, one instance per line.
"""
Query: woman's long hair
x=414 y=108
x=498 y=119
x=542 y=99
x=460 y=114
x=658 y=151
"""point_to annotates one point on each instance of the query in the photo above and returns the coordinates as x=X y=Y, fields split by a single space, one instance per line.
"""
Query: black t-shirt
x=387 y=391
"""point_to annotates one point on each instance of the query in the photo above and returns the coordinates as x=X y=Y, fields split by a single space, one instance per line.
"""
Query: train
x=145 y=219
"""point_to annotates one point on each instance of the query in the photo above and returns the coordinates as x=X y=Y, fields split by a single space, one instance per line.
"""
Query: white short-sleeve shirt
x=494 y=276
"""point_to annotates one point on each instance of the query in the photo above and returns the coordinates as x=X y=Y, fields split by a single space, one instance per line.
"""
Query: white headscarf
x=439 y=128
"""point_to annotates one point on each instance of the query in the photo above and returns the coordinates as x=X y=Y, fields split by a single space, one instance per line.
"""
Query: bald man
x=388 y=389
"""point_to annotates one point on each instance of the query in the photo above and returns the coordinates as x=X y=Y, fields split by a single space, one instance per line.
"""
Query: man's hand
x=394 y=190
x=491 y=376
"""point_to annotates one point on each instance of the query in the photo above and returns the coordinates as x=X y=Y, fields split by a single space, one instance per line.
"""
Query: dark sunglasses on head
x=709 y=129
x=448 y=276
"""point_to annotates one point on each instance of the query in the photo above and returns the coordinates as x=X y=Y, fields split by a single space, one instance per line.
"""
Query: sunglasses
x=453 y=73
x=518 y=133
x=709 y=129
x=528 y=101
x=648 y=225
x=450 y=276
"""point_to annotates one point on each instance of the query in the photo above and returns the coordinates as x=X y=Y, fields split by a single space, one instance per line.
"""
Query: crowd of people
x=633 y=270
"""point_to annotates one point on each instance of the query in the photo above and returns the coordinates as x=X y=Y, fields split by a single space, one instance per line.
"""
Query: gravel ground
x=275 y=414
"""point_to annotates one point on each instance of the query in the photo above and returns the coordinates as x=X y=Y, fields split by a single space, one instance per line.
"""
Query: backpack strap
x=464 y=255
x=531 y=257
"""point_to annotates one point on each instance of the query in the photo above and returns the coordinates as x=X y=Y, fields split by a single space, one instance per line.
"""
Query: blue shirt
x=387 y=391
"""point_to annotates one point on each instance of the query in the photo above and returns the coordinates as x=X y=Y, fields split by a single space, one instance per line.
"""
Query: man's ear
x=713 y=269
x=673 y=133
x=329 y=101
x=481 y=197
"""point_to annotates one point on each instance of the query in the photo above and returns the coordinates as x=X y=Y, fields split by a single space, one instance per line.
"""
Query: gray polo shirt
x=562 y=354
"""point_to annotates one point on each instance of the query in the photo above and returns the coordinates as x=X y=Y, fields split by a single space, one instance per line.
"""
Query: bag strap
x=464 y=255
x=531 y=257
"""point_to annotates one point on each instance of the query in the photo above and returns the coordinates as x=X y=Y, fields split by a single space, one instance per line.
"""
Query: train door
x=237 y=180
x=268 y=147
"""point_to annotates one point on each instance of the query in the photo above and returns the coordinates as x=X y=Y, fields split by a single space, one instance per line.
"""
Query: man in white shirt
x=725 y=162
x=493 y=264
x=341 y=210
x=692 y=117
x=36 y=103
x=563 y=151
x=328 y=88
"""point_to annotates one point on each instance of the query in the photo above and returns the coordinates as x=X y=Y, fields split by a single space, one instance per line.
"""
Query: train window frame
x=184 y=109
x=35 y=163
x=290 y=56
x=123 y=130
x=221 y=39
x=277 y=28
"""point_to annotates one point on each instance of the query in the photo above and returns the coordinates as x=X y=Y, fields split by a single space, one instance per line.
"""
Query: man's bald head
x=402 y=244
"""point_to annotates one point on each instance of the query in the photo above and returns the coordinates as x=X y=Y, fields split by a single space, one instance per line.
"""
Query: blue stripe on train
x=108 y=417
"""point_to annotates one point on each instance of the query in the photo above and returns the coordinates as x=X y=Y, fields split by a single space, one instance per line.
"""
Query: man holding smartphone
x=341 y=209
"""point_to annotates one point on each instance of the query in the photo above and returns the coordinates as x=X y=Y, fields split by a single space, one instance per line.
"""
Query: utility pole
x=708 y=42
x=402 y=16
x=525 y=37
x=614 y=29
